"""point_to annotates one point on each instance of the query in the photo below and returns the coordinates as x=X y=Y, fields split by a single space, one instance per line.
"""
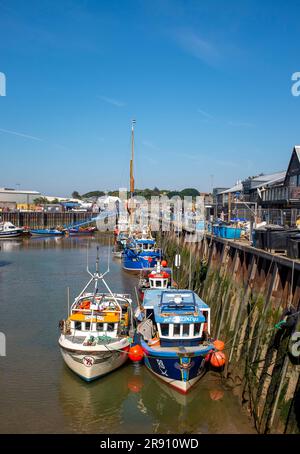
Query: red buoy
x=218 y=359
x=136 y=353
x=164 y=263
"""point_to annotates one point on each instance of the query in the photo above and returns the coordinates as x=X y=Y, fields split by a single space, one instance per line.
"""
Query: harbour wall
x=44 y=220
x=252 y=295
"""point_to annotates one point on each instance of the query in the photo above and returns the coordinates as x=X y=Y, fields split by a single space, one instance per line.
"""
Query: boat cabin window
x=197 y=328
x=180 y=329
x=87 y=326
x=77 y=326
x=176 y=329
x=185 y=330
x=99 y=326
x=164 y=327
x=158 y=283
x=110 y=327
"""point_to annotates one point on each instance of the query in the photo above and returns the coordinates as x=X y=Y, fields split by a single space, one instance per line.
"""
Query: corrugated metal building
x=17 y=199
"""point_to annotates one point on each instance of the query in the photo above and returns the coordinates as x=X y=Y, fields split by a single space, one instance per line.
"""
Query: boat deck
x=80 y=339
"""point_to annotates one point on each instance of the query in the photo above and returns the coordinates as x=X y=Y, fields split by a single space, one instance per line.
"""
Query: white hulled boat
x=95 y=338
x=9 y=230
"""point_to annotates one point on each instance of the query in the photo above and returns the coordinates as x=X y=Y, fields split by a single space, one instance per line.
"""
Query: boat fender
x=154 y=341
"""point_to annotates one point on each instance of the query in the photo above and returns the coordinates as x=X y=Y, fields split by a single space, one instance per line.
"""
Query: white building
x=15 y=198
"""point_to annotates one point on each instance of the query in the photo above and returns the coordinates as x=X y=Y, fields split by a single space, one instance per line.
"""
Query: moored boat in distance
x=81 y=231
x=140 y=254
x=95 y=338
x=9 y=230
x=174 y=335
x=46 y=232
x=158 y=278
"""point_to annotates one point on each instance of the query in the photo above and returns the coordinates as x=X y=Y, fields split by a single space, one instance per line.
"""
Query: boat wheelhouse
x=174 y=334
x=157 y=278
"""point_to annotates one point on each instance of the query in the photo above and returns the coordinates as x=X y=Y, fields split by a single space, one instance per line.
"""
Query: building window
x=293 y=180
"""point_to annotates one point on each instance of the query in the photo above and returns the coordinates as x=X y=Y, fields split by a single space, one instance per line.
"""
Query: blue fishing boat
x=141 y=254
x=46 y=232
x=173 y=330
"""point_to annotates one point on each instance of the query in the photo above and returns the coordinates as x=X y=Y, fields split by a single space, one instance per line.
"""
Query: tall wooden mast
x=131 y=202
x=131 y=161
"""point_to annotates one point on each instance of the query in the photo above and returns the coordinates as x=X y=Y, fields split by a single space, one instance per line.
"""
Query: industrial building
x=15 y=199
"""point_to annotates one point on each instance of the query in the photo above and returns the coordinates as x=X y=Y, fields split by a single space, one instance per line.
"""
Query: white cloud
x=20 y=134
x=113 y=102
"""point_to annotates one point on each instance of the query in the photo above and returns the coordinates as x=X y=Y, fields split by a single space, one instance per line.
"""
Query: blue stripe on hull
x=10 y=234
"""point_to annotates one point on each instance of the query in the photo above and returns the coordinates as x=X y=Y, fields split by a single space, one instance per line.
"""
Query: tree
x=93 y=194
x=192 y=192
x=40 y=201
x=75 y=195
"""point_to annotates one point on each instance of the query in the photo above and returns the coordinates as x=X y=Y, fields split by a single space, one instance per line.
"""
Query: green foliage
x=92 y=194
x=189 y=192
x=76 y=195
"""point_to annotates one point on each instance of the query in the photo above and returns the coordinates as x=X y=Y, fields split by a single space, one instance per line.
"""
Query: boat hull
x=180 y=371
x=46 y=233
x=12 y=234
x=139 y=263
x=90 y=365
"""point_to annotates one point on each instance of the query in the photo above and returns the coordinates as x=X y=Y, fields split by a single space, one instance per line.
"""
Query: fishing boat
x=141 y=254
x=159 y=277
x=9 y=230
x=46 y=232
x=173 y=330
x=95 y=338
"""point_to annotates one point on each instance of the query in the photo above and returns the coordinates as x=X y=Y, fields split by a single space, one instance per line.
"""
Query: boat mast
x=131 y=173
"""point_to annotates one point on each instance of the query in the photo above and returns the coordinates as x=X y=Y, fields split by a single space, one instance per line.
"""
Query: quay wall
x=41 y=220
x=249 y=292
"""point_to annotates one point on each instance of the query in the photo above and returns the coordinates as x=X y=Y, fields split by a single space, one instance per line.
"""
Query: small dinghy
x=46 y=232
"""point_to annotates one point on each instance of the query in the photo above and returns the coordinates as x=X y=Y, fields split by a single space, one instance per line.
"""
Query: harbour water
x=38 y=392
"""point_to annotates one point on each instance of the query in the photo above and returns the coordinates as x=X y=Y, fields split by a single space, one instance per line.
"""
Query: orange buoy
x=219 y=345
x=218 y=359
x=164 y=263
x=136 y=353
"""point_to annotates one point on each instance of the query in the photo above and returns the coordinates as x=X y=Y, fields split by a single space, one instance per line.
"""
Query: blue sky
x=208 y=82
